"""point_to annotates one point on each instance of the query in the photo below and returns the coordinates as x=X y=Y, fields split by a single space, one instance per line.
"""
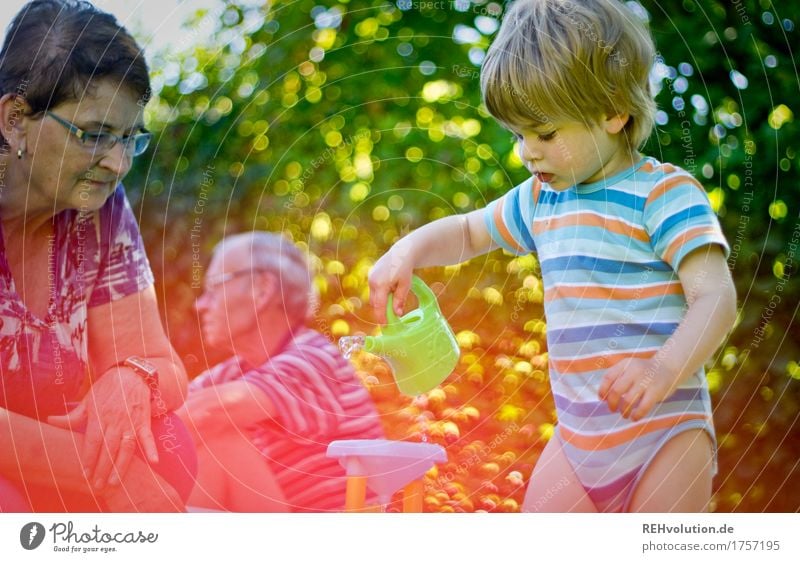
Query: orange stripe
x=587 y=219
x=584 y=364
x=690 y=234
x=608 y=440
x=613 y=293
x=647 y=167
x=661 y=188
x=501 y=226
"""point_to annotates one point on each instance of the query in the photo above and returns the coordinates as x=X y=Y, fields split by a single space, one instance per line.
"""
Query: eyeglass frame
x=84 y=136
x=223 y=278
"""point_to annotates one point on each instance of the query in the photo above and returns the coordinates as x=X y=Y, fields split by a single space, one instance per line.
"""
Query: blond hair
x=574 y=60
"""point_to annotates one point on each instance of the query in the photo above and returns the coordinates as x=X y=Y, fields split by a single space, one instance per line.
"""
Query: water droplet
x=423 y=428
x=350 y=344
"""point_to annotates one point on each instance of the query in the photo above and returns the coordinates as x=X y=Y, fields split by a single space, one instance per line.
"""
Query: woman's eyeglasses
x=134 y=144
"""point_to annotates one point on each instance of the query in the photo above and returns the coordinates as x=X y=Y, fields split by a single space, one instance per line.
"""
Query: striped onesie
x=609 y=253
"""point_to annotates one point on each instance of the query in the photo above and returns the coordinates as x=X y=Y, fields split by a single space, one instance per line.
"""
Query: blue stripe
x=680 y=217
x=617 y=197
x=590 y=263
x=547 y=197
x=518 y=223
x=570 y=304
x=586 y=333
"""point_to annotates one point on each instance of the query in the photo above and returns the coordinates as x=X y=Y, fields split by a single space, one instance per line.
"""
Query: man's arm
x=237 y=403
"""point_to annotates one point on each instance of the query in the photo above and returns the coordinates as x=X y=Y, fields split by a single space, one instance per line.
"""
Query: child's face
x=567 y=153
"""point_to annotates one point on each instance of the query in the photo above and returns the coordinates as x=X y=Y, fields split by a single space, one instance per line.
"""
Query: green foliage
x=348 y=124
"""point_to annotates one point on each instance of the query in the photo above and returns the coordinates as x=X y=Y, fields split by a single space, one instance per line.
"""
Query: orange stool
x=384 y=467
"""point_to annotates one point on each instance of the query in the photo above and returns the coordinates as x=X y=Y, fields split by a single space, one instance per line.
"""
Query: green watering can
x=420 y=347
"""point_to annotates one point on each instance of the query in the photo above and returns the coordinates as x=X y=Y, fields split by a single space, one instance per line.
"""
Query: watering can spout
x=375 y=345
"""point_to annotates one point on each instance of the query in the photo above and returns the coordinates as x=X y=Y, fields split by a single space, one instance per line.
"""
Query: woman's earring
x=19 y=153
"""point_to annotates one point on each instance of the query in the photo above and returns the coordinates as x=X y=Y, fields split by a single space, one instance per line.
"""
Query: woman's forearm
x=172 y=384
x=40 y=454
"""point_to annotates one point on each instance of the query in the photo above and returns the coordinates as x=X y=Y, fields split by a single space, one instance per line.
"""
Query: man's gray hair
x=282 y=258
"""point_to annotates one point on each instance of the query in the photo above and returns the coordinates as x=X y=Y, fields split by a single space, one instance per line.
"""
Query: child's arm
x=634 y=386
x=445 y=241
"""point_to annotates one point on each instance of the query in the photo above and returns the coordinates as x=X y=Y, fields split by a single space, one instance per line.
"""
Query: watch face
x=142 y=365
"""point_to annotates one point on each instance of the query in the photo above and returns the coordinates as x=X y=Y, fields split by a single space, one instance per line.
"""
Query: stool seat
x=386 y=465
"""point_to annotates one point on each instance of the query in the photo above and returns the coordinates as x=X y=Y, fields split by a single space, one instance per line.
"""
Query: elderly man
x=262 y=420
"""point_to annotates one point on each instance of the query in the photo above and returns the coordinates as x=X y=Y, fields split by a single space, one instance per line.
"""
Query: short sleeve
x=304 y=388
x=227 y=371
x=509 y=219
x=679 y=218
x=123 y=269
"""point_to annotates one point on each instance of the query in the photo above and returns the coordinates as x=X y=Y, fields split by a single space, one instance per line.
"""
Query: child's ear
x=615 y=123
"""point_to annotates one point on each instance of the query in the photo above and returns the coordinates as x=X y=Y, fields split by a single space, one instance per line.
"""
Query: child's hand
x=634 y=386
x=391 y=274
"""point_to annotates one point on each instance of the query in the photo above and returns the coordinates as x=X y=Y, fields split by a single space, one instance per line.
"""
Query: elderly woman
x=88 y=378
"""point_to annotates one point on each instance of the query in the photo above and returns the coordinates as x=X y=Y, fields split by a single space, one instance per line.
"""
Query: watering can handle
x=424 y=294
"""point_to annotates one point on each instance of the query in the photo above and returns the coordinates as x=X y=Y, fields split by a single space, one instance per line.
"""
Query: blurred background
x=347 y=124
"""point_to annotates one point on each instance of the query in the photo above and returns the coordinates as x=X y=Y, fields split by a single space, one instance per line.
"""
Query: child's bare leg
x=679 y=477
x=233 y=475
x=554 y=487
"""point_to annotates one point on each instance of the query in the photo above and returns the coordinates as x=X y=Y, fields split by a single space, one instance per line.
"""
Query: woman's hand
x=141 y=490
x=116 y=414
x=633 y=386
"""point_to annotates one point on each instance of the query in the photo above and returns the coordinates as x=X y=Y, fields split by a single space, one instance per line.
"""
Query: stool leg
x=356 y=493
x=412 y=497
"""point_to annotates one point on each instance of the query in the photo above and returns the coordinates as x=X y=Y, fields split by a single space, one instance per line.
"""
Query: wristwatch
x=144 y=369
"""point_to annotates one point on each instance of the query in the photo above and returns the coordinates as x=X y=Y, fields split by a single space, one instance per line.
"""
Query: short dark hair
x=55 y=49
